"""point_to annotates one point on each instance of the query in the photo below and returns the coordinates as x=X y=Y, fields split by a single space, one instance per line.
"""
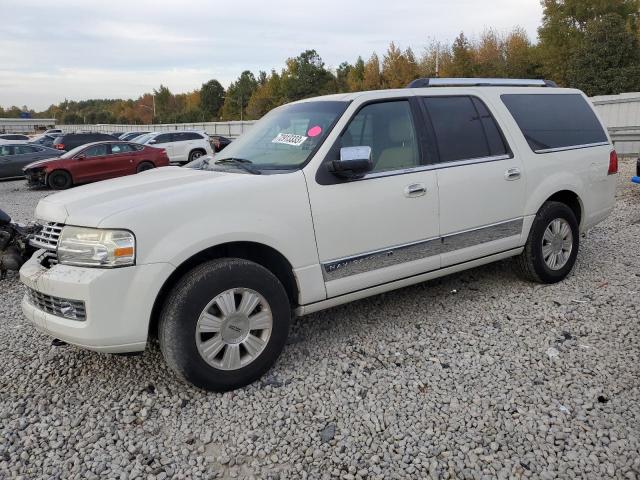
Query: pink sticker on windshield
x=314 y=131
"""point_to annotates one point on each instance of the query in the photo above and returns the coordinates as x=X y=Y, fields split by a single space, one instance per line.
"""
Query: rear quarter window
x=555 y=122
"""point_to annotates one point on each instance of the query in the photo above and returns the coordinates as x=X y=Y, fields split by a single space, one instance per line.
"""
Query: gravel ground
x=478 y=375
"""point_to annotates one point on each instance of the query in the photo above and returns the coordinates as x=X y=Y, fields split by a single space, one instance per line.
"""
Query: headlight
x=94 y=247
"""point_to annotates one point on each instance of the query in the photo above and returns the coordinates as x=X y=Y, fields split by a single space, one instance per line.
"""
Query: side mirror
x=151 y=142
x=354 y=162
x=81 y=156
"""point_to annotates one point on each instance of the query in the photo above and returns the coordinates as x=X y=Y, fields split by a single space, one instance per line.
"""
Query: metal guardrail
x=626 y=140
x=227 y=129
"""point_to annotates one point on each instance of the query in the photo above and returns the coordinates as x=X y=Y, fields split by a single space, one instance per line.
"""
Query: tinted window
x=96 y=151
x=388 y=129
x=191 y=136
x=464 y=128
x=5 y=150
x=164 y=138
x=121 y=148
x=555 y=121
x=22 y=149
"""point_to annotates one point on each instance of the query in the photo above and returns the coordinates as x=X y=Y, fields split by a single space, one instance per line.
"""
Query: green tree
x=238 y=95
x=607 y=61
x=266 y=97
x=306 y=76
x=462 y=58
x=164 y=101
x=564 y=24
x=342 y=76
x=211 y=98
x=355 y=77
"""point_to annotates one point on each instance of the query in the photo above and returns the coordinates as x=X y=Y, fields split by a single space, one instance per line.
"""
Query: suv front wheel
x=224 y=324
x=552 y=246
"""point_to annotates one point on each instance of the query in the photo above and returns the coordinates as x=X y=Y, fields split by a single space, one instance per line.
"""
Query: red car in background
x=95 y=161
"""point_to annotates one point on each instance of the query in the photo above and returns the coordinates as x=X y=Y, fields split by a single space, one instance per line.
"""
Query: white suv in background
x=181 y=147
x=324 y=201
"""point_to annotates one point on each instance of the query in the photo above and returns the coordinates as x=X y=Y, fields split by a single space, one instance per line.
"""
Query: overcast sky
x=52 y=50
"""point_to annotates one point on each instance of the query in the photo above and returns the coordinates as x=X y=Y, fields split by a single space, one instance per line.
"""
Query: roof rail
x=480 y=82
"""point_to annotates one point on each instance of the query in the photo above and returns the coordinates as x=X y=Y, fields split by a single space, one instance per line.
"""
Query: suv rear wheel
x=224 y=324
x=552 y=246
x=196 y=154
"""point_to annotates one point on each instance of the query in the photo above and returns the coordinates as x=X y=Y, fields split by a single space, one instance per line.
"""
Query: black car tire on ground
x=145 y=166
x=59 y=180
x=177 y=329
x=530 y=263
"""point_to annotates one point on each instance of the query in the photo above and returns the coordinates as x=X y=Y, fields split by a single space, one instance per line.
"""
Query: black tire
x=191 y=295
x=530 y=263
x=144 y=166
x=196 y=154
x=59 y=180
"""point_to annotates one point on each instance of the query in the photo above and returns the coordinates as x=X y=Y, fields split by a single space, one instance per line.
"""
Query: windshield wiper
x=239 y=162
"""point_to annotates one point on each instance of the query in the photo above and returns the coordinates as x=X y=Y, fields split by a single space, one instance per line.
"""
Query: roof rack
x=480 y=82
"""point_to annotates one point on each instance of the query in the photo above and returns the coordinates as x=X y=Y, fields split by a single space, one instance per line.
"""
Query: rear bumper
x=118 y=303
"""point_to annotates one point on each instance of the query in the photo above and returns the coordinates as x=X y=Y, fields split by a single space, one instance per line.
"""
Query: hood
x=41 y=163
x=89 y=205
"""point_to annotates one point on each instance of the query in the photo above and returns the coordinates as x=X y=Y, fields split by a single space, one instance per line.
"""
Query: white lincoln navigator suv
x=324 y=201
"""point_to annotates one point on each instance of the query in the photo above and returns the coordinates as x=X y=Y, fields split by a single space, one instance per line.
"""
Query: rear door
x=124 y=158
x=165 y=140
x=480 y=180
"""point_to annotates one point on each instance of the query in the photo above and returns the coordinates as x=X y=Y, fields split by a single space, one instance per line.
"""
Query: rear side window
x=464 y=128
x=164 y=138
x=549 y=122
x=189 y=136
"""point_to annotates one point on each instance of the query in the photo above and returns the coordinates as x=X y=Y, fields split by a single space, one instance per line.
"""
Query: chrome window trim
x=398 y=254
x=436 y=166
x=571 y=147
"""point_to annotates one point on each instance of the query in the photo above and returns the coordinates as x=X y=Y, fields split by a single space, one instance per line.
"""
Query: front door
x=384 y=226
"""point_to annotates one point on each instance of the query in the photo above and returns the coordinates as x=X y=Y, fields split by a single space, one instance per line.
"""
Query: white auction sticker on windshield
x=289 y=139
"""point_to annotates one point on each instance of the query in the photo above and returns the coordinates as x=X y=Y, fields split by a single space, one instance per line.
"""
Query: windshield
x=73 y=151
x=142 y=138
x=285 y=137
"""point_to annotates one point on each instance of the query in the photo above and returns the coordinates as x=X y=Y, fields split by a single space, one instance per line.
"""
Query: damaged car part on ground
x=14 y=244
x=357 y=194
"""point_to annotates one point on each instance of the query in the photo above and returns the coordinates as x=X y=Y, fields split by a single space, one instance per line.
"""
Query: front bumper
x=36 y=178
x=118 y=302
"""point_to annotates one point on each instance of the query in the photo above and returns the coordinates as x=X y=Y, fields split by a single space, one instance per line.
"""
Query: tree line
x=593 y=45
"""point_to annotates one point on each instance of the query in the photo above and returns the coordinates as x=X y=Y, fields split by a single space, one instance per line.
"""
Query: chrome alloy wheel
x=557 y=244
x=234 y=329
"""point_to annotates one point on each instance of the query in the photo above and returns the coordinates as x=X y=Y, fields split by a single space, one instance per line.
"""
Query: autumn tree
x=267 y=96
x=398 y=68
x=372 y=79
x=306 y=76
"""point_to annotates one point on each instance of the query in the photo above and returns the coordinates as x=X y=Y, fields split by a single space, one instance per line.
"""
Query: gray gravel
x=478 y=375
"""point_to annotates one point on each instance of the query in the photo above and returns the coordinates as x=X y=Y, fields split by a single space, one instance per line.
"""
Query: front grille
x=60 y=307
x=48 y=236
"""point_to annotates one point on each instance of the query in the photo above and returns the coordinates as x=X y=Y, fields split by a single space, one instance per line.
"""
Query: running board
x=404 y=282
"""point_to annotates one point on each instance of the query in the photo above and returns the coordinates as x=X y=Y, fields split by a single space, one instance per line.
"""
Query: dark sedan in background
x=219 y=142
x=69 y=141
x=15 y=156
x=93 y=162
x=13 y=136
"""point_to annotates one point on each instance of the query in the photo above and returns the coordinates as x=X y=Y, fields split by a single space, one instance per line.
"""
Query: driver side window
x=387 y=128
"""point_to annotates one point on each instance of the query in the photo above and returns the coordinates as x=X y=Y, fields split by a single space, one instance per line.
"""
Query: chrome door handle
x=415 y=190
x=512 y=174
